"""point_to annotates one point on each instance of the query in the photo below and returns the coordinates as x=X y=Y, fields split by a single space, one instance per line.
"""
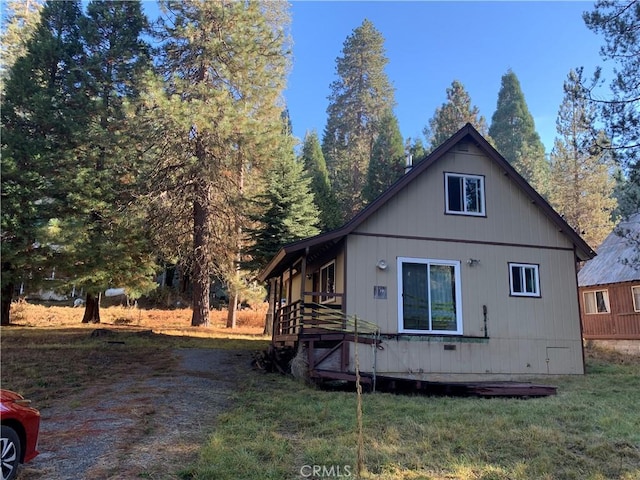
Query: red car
x=20 y=427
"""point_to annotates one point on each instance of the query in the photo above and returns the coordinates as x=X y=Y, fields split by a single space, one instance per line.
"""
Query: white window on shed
x=596 y=301
x=635 y=292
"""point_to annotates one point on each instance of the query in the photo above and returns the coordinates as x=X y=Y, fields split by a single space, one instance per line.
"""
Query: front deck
x=323 y=333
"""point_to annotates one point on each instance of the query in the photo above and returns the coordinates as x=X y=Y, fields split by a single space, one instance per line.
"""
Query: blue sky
x=430 y=44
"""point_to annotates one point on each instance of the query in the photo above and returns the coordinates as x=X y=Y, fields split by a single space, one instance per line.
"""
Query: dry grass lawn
x=167 y=322
x=47 y=352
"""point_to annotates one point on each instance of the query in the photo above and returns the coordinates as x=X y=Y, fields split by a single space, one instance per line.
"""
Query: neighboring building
x=610 y=290
x=467 y=272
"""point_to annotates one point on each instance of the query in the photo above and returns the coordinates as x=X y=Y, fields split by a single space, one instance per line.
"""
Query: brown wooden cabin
x=609 y=287
x=460 y=271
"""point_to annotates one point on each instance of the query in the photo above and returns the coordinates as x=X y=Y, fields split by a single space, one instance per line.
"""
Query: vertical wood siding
x=525 y=335
x=621 y=323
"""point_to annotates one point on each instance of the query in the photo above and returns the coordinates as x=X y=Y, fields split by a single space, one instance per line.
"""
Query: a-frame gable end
x=508 y=214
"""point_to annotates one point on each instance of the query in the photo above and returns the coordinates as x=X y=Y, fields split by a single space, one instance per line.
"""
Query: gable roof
x=609 y=266
x=289 y=252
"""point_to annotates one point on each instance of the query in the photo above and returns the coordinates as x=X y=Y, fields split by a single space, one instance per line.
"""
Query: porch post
x=269 y=326
x=303 y=279
x=279 y=302
x=303 y=272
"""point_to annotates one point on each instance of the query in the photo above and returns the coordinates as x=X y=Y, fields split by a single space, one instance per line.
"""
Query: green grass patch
x=282 y=429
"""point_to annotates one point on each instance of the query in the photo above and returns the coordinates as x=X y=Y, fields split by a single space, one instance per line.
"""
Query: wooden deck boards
x=454 y=389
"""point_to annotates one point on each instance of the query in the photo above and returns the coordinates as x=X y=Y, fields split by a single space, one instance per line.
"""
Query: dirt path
x=148 y=425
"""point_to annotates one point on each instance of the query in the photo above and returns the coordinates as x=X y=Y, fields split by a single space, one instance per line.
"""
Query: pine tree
x=452 y=115
x=581 y=185
x=359 y=97
x=627 y=192
x=316 y=168
x=285 y=211
x=19 y=21
x=215 y=125
x=513 y=131
x=531 y=163
x=619 y=22
x=387 y=158
x=512 y=124
x=44 y=116
x=110 y=242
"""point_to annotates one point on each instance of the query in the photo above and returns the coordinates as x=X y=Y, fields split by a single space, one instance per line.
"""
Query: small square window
x=596 y=302
x=524 y=280
x=464 y=194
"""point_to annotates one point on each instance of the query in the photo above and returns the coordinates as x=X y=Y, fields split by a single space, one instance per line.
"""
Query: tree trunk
x=7 y=296
x=92 y=309
x=233 y=297
x=233 y=310
x=201 y=275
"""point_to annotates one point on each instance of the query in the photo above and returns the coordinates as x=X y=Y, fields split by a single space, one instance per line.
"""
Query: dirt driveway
x=147 y=425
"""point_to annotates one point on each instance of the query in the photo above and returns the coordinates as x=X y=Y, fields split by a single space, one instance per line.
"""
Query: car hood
x=9 y=396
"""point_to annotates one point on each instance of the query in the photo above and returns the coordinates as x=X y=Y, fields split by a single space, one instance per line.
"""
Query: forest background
x=131 y=147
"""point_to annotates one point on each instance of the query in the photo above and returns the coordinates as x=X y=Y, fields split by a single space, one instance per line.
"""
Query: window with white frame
x=635 y=293
x=464 y=194
x=524 y=280
x=429 y=297
x=596 y=301
x=328 y=281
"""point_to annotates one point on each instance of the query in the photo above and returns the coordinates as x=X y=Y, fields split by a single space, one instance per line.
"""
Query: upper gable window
x=464 y=194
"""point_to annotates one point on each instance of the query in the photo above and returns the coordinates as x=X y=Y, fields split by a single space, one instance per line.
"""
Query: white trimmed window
x=464 y=194
x=596 y=301
x=635 y=293
x=524 y=280
x=429 y=297
x=328 y=281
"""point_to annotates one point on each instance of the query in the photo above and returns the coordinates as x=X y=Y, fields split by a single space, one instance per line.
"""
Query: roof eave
x=583 y=250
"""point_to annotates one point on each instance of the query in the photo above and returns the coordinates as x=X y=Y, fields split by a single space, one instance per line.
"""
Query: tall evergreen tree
x=215 y=123
x=581 y=185
x=512 y=124
x=110 y=244
x=44 y=116
x=285 y=210
x=531 y=163
x=19 y=21
x=359 y=97
x=316 y=167
x=387 y=158
x=627 y=192
x=514 y=133
x=619 y=22
x=452 y=115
